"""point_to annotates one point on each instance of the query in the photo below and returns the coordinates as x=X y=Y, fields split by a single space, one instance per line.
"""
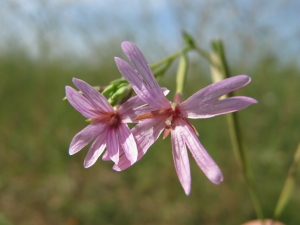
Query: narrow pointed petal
x=145 y=133
x=137 y=58
x=128 y=143
x=224 y=106
x=105 y=156
x=80 y=103
x=181 y=160
x=95 y=151
x=112 y=145
x=139 y=61
x=134 y=79
x=149 y=85
x=94 y=96
x=203 y=159
x=130 y=109
x=84 y=137
x=148 y=95
x=127 y=110
x=214 y=91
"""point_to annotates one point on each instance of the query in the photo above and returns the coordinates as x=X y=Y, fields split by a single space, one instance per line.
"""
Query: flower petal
x=105 y=156
x=84 y=137
x=95 y=151
x=112 y=145
x=155 y=99
x=181 y=159
x=80 y=103
x=137 y=58
x=214 y=91
x=203 y=159
x=127 y=110
x=224 y=106
x=145 y=133
x=94 y=96
x=127 y=142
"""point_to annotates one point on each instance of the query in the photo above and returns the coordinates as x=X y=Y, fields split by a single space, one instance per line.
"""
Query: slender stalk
x=189 y=40
x=204 y=54
x=289 y=184
x=181 y=73
x=161 y=70
x=169 y=58
x=221 y=71
x=243 y=161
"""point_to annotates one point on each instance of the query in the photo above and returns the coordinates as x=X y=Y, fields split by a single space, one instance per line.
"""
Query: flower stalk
x=170 y=58
x=220 y=71
x=289 y=185
x=181 y=73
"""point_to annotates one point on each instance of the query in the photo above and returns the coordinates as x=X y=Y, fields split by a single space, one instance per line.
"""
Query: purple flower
x=163 y=116
x=108 y=126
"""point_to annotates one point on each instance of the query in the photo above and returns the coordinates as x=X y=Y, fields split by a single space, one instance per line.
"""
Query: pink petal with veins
x=128 y=143
x=203 y=159
x=94 y=96
x=181 y=159
x=133 y=107
x=95 y=151
x=223 y=106
x=84 y=137
x=145 y=133
x=112 y=145
x=105 y=156
x=138 y=60
x=80 y=103
x=127 y=110
x=142 y=81
x=214 y=91
x=138 y=85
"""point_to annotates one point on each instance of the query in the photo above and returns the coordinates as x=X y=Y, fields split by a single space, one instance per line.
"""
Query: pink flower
x=163 y=116
x=108 y=126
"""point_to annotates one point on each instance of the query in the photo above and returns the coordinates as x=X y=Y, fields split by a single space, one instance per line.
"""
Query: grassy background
x=41 y=184
x=43 y=44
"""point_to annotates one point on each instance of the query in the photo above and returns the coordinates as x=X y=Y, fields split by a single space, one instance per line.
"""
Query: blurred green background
x=43 y=44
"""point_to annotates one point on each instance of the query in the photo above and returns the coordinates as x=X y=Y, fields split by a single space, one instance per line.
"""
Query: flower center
x=170 y=122
x=112 y=119
x=173 y=114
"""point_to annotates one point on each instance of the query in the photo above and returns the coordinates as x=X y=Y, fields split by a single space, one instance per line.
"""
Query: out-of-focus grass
x=41 y=184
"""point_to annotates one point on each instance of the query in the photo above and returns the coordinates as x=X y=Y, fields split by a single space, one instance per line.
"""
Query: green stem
x=204 y=54
x=181 y=73
x=243 y=161
x=289 y=184
x=161 y=70
x=219 y=72
x=169 y=58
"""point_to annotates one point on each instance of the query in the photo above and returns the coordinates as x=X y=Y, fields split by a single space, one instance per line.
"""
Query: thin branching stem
x=219 y=72
x=288 y=186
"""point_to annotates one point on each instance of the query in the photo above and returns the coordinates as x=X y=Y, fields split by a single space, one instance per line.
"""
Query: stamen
x=144 y=116
x=166 y=132
x=112 y=119
x=152 y=114
x=169 y=121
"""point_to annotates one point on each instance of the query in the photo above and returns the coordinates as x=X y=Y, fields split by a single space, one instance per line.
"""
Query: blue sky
x=78 y=27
